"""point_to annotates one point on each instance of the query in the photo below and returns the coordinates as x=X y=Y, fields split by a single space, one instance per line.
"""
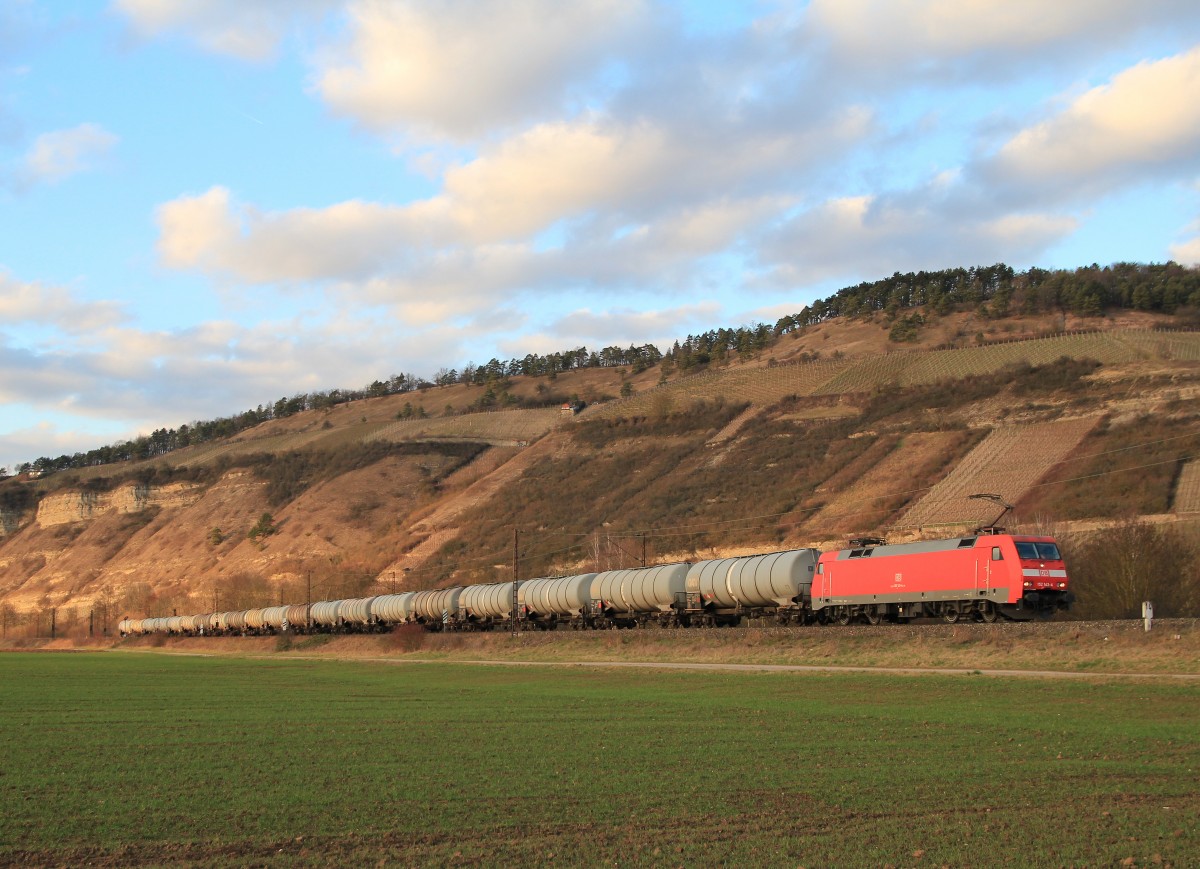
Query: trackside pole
x=516 y=557
x=1147 y=613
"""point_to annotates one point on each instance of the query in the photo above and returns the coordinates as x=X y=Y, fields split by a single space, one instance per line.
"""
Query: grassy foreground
x=118 y=758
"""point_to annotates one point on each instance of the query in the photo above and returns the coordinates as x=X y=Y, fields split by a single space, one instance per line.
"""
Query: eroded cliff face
x=71 y=550
x=184 y=544
x=70 y=507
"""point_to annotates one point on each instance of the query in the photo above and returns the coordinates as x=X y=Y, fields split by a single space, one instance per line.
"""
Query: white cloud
x=879 y=235
x=1145 y=122
x=972 y=37
x=153 y=378
x=625 y=326
x=1187 y=252
x=247 y=29
x=350 y=240
x=58 y=155
x=458 y=69
x=33 y=303
x=634 y=206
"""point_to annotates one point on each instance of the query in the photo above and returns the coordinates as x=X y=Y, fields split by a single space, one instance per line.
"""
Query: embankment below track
x=1117 y=647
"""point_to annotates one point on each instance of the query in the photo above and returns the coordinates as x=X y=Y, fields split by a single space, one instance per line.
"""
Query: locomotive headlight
x=1062 y=585
x=1028 y=584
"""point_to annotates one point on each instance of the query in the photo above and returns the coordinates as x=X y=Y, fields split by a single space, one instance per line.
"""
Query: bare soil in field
x=1110 y=647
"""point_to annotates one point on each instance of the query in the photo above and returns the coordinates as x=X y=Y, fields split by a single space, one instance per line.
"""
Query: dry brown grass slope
x=688 y=461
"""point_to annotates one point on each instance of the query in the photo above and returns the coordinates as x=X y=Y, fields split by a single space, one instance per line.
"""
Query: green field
x=115 y=758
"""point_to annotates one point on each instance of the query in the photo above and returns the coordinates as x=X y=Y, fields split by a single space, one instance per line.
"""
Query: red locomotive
x=980 y=577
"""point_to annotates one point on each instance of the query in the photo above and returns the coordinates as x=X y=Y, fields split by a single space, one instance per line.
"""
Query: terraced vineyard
x=1187 y=491
x=904 y=469
x=923 y=367
x=765 y=386
x=1182 y=346
x=501 y=425
x=1008 y=462
x=312 y=438
x=759 y=386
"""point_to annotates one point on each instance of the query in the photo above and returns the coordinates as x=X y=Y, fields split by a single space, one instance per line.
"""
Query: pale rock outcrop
x=81 y=506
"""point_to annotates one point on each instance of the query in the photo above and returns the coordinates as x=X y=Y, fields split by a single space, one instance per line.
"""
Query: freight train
x=983 y=577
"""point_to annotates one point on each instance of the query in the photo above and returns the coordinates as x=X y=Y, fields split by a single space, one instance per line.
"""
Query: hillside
x=832 y=431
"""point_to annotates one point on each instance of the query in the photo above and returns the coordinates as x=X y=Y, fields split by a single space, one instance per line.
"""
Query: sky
x=207 y=205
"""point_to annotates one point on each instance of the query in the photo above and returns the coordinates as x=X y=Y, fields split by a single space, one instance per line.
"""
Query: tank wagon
x=438 y=609
x=982 y=577
x=355 y=615
x=297 y=617
x=777 y=583
x=323 y=615
x=626 y=598
x=545 y=603
x=393 y=609
x=483 y=607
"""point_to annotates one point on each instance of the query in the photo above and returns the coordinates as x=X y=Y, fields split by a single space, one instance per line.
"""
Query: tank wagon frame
x=983 y=577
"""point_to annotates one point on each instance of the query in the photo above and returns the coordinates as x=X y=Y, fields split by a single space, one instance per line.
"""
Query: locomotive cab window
x=997 y=555
x=1048 y=552
x=1026 y=550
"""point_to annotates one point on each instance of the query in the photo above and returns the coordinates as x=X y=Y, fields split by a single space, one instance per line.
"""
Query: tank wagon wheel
x=987 y=612
x=950 y=615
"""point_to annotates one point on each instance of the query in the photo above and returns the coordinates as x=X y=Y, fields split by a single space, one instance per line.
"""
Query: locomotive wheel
x=843 y=618
x=872 y=618
x=987 y=612
x=951 y=616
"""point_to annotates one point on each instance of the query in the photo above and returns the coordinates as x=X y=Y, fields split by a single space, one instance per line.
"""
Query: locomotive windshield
x=1030 y=551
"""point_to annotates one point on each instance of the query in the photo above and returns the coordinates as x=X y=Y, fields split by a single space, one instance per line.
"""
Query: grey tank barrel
x=297 y=615
x=393 y=608
x=325 y=613
x=773 y=579
x=556 y=595
x=641 y=590
x=275 y=618
x=356 y=611
x=433 y=606
x=237 y=620
x=254 y=619
x=488 y=601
